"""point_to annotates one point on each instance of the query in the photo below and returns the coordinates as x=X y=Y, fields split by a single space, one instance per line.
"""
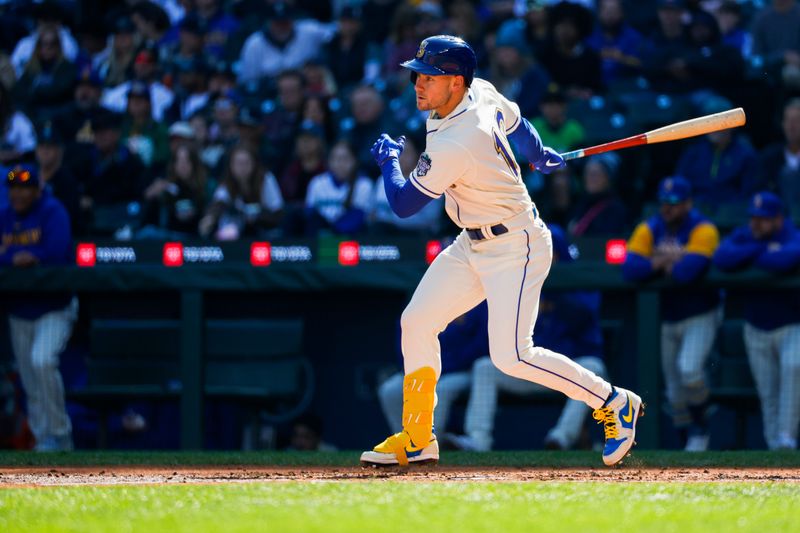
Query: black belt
x=477 y=234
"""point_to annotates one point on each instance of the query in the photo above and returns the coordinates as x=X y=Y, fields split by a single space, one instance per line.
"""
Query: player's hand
x=386 y=148
x=550 y=162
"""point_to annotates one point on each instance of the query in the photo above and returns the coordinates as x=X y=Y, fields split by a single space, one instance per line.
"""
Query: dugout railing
x=194 y=286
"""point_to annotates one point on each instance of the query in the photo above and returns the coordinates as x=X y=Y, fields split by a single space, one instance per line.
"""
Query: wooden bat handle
x=679 y=130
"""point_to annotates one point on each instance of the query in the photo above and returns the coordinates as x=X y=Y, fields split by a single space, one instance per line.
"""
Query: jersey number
x=501 y=144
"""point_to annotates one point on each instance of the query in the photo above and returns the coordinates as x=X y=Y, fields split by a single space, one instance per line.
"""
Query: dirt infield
x=15 y=477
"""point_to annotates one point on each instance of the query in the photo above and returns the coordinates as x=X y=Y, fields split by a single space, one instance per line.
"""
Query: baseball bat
x=679 y=130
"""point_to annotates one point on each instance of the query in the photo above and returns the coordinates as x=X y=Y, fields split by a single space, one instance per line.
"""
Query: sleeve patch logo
x=423 y=165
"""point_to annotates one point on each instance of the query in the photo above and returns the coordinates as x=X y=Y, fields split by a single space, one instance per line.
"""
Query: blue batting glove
x=386 y=148
x=550 y=161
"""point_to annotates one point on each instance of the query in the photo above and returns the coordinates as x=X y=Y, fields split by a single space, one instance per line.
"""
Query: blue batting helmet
x=443 y=55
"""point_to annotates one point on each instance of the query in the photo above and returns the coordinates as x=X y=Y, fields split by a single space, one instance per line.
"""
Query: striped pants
x=37 y=345
x=685 y=347
x=488 y=381
x=508 y=271
x=775 y=362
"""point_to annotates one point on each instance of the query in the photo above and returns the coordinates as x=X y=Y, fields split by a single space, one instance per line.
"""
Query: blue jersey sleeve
x=404 y=199
x=637 y=267
x=783 y=259
x=737 y=251
x=54 y=248
x=690 y=267
x=528 y=142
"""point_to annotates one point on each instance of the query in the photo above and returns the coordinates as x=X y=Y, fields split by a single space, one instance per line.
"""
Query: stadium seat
x=129 y=360
x=647 y=110
x=260 y=362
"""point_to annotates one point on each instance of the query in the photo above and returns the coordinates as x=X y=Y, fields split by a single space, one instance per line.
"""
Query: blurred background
x=233 y=275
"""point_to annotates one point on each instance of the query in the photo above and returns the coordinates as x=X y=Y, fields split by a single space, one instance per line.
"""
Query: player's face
x=673 y=213
x=438 y=93
x=765 y=227
x=22 y=198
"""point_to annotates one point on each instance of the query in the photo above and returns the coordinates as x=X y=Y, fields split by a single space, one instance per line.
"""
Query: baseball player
x=678 y=243
x=502 y=254
x=35 y=230
x=569 y=322
x=772 y=329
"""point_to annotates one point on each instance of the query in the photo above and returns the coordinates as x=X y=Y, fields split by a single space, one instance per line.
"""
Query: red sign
x=260 y=254
x=173 y=254
x=348 y=253
x=86 y=254
x=616 y=249
x=432 y=249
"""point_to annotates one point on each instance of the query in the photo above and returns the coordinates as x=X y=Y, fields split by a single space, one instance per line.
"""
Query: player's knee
x=692 y=376
x=412 y=321
x=506 y=363
x=42 y=360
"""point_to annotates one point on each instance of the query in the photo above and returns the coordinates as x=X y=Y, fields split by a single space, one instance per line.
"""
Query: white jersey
x=327 y=196
x=468 y=159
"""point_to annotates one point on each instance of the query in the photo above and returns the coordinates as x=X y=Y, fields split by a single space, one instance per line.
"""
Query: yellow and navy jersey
x=699 y=238
x=44 y=232
x=697 y=235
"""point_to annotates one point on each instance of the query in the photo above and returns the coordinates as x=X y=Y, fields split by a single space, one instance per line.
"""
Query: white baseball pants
x=508 y=271
x=37 y=345
x=775 y=362
x=487 y=381
x=685 y=347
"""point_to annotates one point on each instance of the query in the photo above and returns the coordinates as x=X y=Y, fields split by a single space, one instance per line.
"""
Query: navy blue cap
x=281 y=11
x=350 y=12
x=106 y=120
x=23 y=175
x=47 y=134
x=765 y=204
x=123 y=25
x=89 y=76
x=674 y=190
x=444 y=55
x=192 y=23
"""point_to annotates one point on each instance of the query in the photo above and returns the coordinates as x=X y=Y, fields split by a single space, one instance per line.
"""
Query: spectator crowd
x=223 y=119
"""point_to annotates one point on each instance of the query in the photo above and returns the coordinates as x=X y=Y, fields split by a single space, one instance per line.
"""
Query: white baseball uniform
x=469 y=160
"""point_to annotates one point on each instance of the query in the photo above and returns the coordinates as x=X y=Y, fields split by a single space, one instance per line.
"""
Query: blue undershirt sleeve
x=783 y=260
x=404 y=198
x=691 y=267
x=637 y=268
x=732 y=256
x=527 y=141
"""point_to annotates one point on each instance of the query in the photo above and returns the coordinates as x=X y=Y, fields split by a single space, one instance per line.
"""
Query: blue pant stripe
x=516 y=329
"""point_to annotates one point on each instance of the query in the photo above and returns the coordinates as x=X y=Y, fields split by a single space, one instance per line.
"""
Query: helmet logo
x=421 y=51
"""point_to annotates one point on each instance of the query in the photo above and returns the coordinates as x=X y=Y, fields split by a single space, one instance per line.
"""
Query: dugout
x=345 y=321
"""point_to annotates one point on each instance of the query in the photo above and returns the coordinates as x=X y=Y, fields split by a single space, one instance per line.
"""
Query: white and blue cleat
x=619 y=416
x=429 y=455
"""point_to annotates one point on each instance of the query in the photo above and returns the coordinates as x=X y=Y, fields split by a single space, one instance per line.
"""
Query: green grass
x=410 y=507
x=642 y=458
